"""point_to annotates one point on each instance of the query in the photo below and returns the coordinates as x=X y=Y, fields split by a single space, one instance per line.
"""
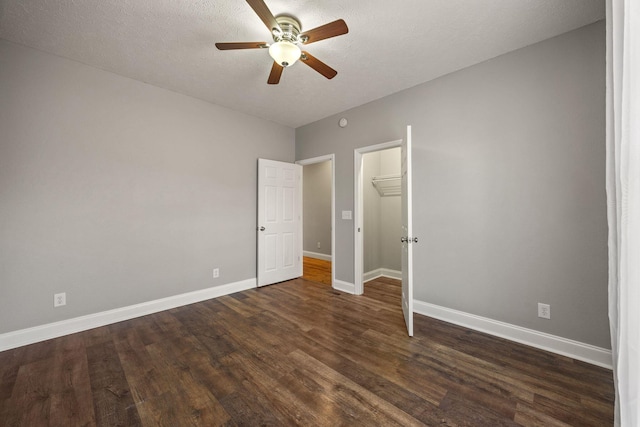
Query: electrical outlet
x=216 y=273
x=544 y=310
x=318 y=245
x=59 y=299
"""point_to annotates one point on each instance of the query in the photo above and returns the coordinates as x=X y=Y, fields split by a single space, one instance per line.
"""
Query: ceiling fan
x=287 y=37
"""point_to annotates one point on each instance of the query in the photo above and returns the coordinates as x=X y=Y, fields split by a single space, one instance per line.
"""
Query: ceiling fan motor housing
x=289 y=30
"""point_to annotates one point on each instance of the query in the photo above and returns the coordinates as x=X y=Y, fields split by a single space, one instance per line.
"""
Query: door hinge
x=409 y=239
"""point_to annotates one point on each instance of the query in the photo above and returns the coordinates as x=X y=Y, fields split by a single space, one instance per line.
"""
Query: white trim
x=35 y=334
x=319 y=159
x=347 y=287
x=358 y=211
x=314 y=160
x=358 y=258
x=382 y=272
x=317 y=255
x=576 y=350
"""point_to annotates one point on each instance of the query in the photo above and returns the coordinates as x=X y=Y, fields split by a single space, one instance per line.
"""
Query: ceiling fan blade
x=241 y=45
x=318 y=65
x=332 y=29
x=263 y=12
x=276 y=72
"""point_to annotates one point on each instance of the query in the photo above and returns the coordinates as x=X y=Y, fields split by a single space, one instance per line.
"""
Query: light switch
x=346 y=214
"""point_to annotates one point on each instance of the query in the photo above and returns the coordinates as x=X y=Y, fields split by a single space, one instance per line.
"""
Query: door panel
x=288 y=247
x=279 y=221
x=270 y=247
x=288 y=200
x=270 y=197
x=407 y=233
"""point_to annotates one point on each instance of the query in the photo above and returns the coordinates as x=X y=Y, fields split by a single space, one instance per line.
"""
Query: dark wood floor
x=296 y=353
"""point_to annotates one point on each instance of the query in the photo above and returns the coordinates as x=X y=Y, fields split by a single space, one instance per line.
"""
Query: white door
x=408 y=239
x=279 y=221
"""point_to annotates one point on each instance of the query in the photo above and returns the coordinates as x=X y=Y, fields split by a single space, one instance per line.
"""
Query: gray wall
x=382 y=215
x=316 y=195
x=371 y=259
x=117 y=192
x=509 y=198
x=390 y=214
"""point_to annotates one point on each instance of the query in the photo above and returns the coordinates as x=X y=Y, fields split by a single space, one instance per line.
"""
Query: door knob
x=262 y=228
x=403 y=239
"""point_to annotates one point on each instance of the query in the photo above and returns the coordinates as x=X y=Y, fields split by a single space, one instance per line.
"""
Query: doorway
x=318 y=218
x=362 y=178
x=406 y=228
x=382 y=219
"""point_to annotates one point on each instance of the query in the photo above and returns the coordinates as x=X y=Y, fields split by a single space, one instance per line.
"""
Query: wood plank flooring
x=316 y=270
x=296 y=353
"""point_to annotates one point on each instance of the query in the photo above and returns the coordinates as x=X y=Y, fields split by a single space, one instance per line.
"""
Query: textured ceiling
x=390 y=45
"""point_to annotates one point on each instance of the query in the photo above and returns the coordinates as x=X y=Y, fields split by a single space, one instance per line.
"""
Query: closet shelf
x=387 y=185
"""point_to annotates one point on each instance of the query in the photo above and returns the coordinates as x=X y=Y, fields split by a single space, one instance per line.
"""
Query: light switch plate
x=346 y=214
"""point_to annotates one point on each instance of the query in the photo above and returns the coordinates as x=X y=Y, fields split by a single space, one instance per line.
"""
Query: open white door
x=279 y=221
x=407 y=234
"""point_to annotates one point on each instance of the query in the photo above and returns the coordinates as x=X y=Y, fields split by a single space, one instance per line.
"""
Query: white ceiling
x=391 y=45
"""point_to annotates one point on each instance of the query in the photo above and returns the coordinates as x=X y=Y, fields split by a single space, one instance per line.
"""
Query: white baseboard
x=566 y=347
x=316 y=255
x=382 y=272
x=347 y=287
x=35 y=334
x=555 y=344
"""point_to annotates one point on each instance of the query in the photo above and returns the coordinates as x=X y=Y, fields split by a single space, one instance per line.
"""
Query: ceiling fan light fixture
x=287 y=40
x=285 y=53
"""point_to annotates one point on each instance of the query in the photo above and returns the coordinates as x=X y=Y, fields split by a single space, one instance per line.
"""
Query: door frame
x=358 y=208
x=320 y=159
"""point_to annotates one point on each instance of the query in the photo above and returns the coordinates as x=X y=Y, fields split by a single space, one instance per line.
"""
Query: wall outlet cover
x=544 y=311
x=60 y=299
